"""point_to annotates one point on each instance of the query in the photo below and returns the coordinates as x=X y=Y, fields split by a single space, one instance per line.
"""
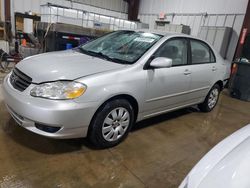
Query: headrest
x=199 y=53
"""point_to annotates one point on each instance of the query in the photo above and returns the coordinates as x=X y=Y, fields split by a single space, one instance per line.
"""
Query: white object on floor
x=226 y=165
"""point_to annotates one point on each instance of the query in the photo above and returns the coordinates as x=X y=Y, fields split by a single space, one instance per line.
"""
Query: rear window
x=201 y=53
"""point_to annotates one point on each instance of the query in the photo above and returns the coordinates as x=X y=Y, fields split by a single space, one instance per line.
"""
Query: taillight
x=234 y=69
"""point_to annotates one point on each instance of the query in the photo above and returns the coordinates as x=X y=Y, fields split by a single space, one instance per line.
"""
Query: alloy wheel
x=213 y=98
x=115 y=124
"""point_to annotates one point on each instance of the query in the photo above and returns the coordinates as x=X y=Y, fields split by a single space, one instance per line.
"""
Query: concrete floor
x=158 y=153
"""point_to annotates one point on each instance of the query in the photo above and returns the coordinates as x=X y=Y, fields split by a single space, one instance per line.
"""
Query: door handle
x=214 y=69
x=187 y=72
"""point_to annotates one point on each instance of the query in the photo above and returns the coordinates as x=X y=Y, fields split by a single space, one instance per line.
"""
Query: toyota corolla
x=99 y=90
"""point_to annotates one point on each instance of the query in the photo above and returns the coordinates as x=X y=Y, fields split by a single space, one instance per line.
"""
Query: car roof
x=163 y=33
x=170 y=34
x=158 y=32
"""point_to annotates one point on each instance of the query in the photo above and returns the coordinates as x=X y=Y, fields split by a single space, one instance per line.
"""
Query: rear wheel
x=111 y=123
x=211 y=99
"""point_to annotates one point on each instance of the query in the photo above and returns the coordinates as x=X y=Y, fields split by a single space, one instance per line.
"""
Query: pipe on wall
x=7 y=10
x=7 y=16
x=133 y=9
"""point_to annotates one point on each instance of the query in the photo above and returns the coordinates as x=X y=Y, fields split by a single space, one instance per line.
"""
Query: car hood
x=226 y=165
x=64 y=65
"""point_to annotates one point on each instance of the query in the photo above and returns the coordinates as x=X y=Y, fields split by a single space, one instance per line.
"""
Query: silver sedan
x=99 y=90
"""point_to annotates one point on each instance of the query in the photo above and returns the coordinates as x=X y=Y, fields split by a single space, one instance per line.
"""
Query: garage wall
x=193 y=6
x=116 y=5
x=114 y=8
x=197 y=13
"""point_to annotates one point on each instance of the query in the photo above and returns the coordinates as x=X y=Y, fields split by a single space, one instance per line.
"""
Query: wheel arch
x=220 y=83
x=128 y=97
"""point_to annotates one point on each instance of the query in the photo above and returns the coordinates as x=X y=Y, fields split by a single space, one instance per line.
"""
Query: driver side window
x=175 y=49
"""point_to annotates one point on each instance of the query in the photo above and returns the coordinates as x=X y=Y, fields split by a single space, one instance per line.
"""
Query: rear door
x=204 y=69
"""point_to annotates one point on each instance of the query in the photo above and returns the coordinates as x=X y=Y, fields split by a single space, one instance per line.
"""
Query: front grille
x=19 y=80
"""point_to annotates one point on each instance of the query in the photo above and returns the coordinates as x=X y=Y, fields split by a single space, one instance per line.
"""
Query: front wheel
x=111 y=124
x=211 y=99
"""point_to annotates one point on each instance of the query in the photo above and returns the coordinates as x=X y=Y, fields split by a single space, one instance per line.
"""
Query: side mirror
x=161 y=62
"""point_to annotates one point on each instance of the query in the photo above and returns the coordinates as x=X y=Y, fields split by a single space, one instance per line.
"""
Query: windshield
x=121 y=46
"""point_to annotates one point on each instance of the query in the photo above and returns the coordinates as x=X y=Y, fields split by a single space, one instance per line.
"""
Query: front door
x=167 y=88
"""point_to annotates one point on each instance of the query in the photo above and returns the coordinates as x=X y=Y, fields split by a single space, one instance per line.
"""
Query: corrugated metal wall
x=116 y=5
x=197 y=13
x=193 y=6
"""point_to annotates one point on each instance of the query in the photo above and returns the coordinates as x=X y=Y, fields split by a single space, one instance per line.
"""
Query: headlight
x=59 y=90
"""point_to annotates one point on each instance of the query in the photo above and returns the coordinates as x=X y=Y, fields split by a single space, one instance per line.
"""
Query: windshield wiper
x=113 y=59
x=103 y=56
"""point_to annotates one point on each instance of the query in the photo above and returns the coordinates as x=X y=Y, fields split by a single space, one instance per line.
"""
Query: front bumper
x=72 y=118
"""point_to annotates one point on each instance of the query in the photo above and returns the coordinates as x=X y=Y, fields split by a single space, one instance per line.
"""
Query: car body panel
x=64 y=65
x=226 y=165
x=201 y=78
x=158 y=97
x=66 y=114
x=123 y=84
x=154 y=93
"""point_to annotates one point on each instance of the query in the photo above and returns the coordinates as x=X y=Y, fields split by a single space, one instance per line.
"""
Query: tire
x=211 y=99
x=111 y=124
